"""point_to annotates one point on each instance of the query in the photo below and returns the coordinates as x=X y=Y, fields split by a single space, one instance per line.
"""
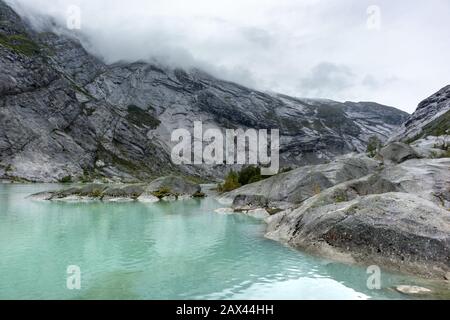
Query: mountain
x=432 y=118
x=66 y=114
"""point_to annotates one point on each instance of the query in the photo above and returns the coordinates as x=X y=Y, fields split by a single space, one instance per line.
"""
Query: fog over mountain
x=342 y=50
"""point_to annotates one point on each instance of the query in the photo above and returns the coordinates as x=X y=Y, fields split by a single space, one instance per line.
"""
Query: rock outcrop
x=432 y=118
x=298 y=185
x=165 y=188
x=66 y=115
x=394 y=214
x=397 y=152
x=175 y=185
x=396 y=230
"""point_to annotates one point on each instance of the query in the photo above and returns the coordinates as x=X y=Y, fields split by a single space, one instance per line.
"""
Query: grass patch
x=162 y=192
x=20 y=44
x=141 y=118
x=97 y=193
x=340 y=198
x=437 y=128
x=373 y=146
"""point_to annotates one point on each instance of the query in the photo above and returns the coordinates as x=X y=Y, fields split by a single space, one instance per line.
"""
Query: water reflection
x=174 y=250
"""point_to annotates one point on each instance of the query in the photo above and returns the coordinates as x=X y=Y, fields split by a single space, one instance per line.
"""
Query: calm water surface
x=179 y=250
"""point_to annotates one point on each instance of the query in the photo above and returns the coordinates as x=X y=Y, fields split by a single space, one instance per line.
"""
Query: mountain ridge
x=432 y=117
x=65 y=113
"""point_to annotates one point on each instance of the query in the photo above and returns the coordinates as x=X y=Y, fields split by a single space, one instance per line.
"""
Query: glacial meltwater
x=167 y=250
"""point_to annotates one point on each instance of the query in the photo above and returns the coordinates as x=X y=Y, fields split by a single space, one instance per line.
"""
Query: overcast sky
x=396 y=53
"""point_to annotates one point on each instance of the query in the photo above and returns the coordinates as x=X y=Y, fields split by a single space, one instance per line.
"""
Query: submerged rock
x=41 y=196
x=147 y=198
x=412 y=290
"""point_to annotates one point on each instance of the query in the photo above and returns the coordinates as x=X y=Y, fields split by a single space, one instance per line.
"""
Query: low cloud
x=313 y=48
x=327 y=79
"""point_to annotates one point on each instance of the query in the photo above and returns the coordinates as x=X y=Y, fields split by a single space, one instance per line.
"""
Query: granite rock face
x=397 y=152
x=65 y=114
x=298 y=185
x=176 y=185
x=432 y=118
x=395 y=230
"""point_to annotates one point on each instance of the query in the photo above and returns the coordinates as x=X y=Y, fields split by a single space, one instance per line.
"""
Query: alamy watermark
x=73 y=281
x=374 y=19
x=73 y=17
x=237 y=146
x=374 y=279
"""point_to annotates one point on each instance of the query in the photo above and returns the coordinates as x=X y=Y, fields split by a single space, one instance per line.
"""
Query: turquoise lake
x=176 y=250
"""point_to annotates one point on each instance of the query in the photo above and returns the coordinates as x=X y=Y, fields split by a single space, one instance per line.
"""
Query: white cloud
x=314 y=48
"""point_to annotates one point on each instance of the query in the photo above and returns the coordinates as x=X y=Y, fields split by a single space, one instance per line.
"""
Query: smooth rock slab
x=398 y=152
x=399 y=231
x=175 y=184
x=412 y=290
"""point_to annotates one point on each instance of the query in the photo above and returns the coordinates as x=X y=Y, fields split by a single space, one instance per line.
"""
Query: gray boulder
x=175 y=185
x=397 y=152
x=249 y=202
x=131 y=192
x=425 y=178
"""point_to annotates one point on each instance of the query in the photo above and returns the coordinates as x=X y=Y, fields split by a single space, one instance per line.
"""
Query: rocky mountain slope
x=432 y=117
x=64 y=114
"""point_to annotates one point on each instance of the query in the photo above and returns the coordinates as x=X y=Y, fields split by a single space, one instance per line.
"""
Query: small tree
x=66 y=179
x=231 y=182
x=373 y=146
x=250 y=174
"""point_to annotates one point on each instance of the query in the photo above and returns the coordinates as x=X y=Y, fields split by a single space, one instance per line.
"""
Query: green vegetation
x=111 y=158
x=437 y=128
x=97 y=193
x=199 y=194
x=341 y=197
x=317 y=189
x=247 y=175
x=141 y=118
x=231 y=183
x=250 y=174
x=287 y=169
x=162 y=192
x=20 y=44
x=373 y=146
x=66 y=179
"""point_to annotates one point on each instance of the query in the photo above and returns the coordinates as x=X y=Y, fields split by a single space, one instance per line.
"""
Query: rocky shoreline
x=392 y=211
